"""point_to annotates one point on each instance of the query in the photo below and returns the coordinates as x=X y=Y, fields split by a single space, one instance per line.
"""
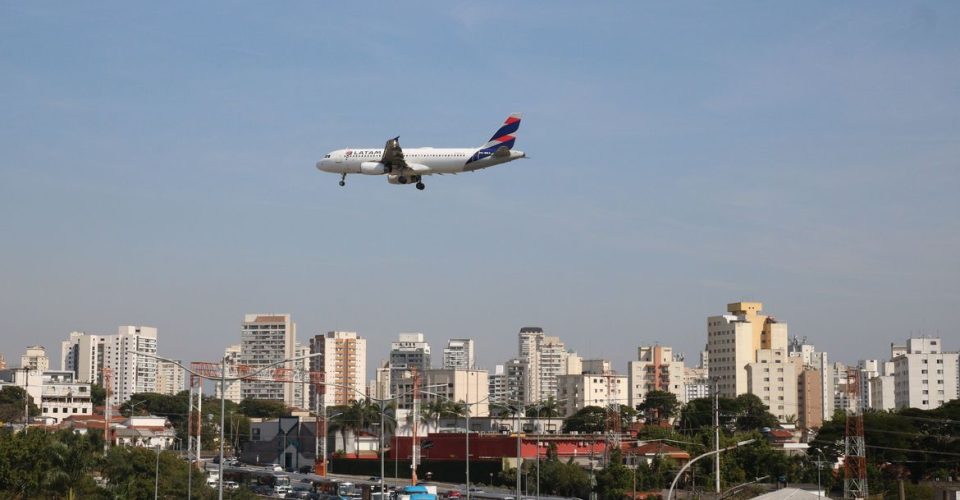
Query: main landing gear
x=420 y=186
x=343 y=180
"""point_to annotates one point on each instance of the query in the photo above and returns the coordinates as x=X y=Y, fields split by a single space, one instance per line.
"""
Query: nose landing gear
x=420 y=186
x=343 y=180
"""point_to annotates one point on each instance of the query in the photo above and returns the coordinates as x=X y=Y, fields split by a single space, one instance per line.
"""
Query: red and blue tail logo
x=505 y=136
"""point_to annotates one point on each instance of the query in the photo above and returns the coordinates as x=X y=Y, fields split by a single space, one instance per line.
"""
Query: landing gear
x=420 y=186
x=402 y=179
x=343 y=180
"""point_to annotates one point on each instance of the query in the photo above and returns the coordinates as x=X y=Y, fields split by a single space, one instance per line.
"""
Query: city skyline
x=627 y=353
x=157 y=168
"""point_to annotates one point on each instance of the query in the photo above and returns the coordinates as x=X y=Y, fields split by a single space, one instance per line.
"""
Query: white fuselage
x=420 y=161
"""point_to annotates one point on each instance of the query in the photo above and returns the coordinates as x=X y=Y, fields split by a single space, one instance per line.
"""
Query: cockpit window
x=326 y=156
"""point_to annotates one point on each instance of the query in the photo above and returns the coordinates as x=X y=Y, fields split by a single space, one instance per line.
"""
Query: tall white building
x=924 y=376
x=35 y=359
x=344 y=364
x=656 y=369
x=592 y=389
x=301 y=390
x=696 y=383
x=70 y=352
x=130 y=373
x=465 y=386
x=546 y=358
x=733 y=340
x=232 y=357
x=882 y=393
x=171 y=379
x=267 y=339
x=458 y=354
x=774 y=380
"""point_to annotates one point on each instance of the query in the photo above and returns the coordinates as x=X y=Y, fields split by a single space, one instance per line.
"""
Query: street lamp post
x=223 y=379
x=156 y=475
x=707 y=454
x=819 y=488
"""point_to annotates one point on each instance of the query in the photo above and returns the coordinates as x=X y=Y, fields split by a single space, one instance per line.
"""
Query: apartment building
x=130 y=373
x=733 y=340
x=231 y=356
x=266 y=339
x=925 y=376
x=343 y=361
x=458 y=355
x=656 y=369
x=592 y=389
x=35 y=359
x=773 y=378
x=171 y=379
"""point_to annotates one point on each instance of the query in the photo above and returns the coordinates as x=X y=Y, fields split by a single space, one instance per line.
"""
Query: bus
x=332 y=488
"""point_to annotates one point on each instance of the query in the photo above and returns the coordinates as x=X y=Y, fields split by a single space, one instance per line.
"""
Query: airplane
x=405 y=167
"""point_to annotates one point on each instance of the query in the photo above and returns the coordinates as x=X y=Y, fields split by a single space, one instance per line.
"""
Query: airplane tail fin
x=502 y=141
x=505 y=136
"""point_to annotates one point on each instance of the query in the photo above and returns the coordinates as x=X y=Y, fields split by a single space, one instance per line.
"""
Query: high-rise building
x=812 y=359
x=696 y=383
x=83 y=355
x=130 y=373
x=343 y=361
x=733 y=340
x=458 y=354
x=35 y=359
x=810 y=398
x=70 y=352
x=603 y=388
x=924 y=376
x=231 y=356
x=507 y=383
x=656 y=369
x=546 y=359
x=409 y=352
x=266 y=339
x=171 y=379
x=3 y=362
x=882 y=394
x=465 y=386
x=302 y=394
x=381 y=388
x=773 y=379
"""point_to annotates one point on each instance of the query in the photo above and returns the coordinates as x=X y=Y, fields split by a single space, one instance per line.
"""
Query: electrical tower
x=107 y=385
x=855 y=453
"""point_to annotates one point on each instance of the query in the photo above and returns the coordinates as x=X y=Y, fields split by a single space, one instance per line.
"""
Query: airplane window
x=326 y=156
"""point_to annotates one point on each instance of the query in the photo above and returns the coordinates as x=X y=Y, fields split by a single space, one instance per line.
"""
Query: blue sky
x=156 y=167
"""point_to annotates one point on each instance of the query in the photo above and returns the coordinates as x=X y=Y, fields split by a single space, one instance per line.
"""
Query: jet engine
x=402 y=179
x=372 y=168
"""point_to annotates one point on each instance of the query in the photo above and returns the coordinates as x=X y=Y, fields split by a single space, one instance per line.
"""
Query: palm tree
x=545 y=409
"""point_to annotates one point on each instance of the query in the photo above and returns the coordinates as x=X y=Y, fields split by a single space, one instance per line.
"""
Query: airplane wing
x=393 y=155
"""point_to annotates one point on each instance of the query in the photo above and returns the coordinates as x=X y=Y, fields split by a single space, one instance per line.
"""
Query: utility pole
x=190 y=442
x=416 y=418
x=716 y=433
x=107 y=381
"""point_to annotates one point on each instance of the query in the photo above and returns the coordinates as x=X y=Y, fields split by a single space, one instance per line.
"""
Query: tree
x=98 y=395
x=587 y=420
x=615 y=479
x=659 y=406
x=12 y=404
x=262 y=408
x=752 y=414
x=545 y=409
